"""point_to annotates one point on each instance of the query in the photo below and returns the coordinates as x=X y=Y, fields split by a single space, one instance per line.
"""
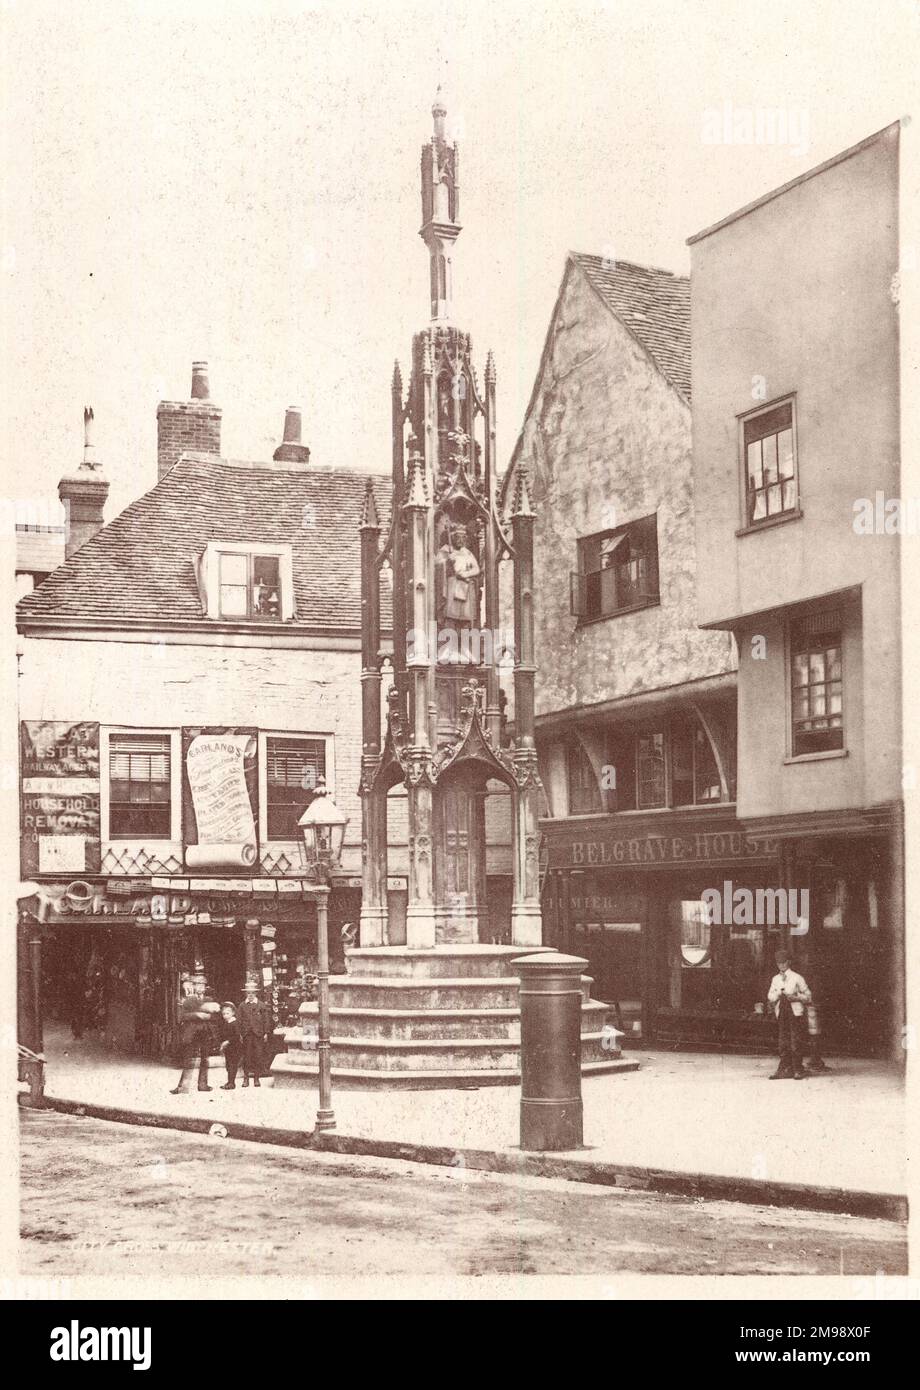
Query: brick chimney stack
x=83 y=493
x=291 y=450
x=188 y=425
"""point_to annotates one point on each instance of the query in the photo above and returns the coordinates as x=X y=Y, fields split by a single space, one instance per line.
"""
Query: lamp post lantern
x=323 y=826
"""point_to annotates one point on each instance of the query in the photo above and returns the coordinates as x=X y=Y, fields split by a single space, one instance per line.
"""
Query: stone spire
x=440 y=228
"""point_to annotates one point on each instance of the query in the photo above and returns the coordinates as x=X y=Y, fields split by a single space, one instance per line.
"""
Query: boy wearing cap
x=789 y=997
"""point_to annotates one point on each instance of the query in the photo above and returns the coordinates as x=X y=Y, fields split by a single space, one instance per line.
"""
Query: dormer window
x=250 y=586
x=247 y=583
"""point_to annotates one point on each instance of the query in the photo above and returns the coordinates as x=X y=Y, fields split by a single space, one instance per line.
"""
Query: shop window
x=294 y=767
x=585 y=796
x=817 y=684
x=771 y=487
x=250 y=585
x=139 y=786
x=617 y=571
x=695 y=932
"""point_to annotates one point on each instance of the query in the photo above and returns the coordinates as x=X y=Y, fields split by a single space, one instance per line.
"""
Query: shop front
x=118 y=955
x=680 y=918
x=635 y=896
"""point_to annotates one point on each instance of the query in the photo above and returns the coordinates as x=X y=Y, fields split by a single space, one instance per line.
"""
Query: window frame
x=106 y=734
x=210 y=580
x=629 y=531
x=789 y=514
x=839 y=629
x=290 y=735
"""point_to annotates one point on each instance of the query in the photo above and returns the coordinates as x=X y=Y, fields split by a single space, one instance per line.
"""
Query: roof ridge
x=633 y=265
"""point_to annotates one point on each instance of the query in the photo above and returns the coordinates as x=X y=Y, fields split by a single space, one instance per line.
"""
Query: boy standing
x=253 y=1032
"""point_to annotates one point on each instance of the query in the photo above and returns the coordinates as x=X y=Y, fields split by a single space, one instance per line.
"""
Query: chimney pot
x=292 y=449
x=201 y=390
x=292 y=425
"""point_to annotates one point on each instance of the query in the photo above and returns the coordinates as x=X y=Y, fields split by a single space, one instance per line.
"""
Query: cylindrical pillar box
x=551 y=999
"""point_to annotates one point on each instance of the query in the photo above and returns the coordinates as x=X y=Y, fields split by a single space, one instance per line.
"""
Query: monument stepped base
x=448 y=1017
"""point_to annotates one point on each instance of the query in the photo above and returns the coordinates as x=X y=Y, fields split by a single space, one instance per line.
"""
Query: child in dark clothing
x=231 y=1044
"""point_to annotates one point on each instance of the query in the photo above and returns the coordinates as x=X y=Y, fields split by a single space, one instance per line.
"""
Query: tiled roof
x=140 y=567
x=653 y=304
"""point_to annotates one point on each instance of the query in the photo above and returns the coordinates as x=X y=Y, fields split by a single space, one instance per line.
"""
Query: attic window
x=247 y=583
x=250 y=586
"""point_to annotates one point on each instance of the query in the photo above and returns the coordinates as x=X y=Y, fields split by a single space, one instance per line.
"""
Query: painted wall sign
x=219 y=778
x=59 y=800
x=651 y=849
x=53 y=748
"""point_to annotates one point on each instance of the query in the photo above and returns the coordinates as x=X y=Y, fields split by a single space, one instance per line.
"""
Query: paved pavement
x=688 y=1112
x=103 y=1198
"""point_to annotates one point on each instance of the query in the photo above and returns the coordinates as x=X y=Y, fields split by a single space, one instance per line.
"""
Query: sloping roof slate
x=653 y=304
x=139 y=569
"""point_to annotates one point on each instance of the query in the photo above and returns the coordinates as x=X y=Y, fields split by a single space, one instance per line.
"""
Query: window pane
x=800 y=669
x=754 y=466
x=770 y=468
x=816 y=666
x=233 y=602
x=784 y=450
x=760 y=506
x=234 y=569
x=833 y=663
x=790 y=496
x=651 y=770
x=775 y=500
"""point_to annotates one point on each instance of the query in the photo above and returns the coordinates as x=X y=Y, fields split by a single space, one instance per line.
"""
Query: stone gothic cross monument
x=444 y=736
x=435 y=1003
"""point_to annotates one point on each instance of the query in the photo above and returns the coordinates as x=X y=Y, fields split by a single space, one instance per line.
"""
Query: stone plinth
x=448 y=1017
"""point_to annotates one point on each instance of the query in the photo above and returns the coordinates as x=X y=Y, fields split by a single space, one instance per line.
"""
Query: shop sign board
x=59 y=800
x=615 y=846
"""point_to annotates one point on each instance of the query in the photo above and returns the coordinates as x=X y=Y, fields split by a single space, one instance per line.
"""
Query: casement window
x=246 y=583
x=694 y=772
x=655 y=767
x=585 y=797
x=294 y=766
x=816 y=661
x=617 y=571
x=651 y=769
x=139 y=786
x=770 y=472
x=250 y=585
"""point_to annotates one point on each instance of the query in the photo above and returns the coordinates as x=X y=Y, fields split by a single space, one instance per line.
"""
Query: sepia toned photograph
x=459 y=508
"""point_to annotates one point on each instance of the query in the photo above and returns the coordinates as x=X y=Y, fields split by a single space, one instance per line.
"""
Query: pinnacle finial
x=427 y=364
x=521 y=504
x=369 y=518
x=397 y=377
x=439 y=112
x=490 y=369
x=416 y=490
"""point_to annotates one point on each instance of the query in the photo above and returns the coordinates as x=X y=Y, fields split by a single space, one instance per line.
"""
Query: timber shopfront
x=635 y=895
x=116 y=956
x=628 y=893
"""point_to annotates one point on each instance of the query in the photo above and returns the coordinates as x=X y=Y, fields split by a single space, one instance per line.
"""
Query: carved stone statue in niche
x=457 y=573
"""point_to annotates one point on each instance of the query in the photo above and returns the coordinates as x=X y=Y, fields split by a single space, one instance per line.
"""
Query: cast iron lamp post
x=323 y=825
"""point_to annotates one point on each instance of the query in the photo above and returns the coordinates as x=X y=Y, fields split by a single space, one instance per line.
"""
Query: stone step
x=420 y=1024
x=360 y=992
x=290 y=1072
x=497 y=1024
x=453 y=962
x=423 y=1054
